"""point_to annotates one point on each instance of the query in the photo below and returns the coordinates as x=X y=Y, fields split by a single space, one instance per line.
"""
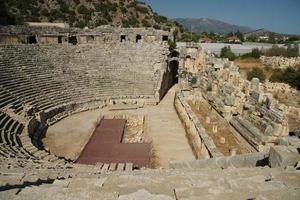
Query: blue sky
x=281 y=16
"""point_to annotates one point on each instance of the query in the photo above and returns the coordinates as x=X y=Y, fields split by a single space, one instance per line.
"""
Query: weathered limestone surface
x=41 y=84
x=280 y=62
x=281 y=156
x=248 y=106
x=202 y=144
x=231 y=183
x=239 y=161
x=21 y=34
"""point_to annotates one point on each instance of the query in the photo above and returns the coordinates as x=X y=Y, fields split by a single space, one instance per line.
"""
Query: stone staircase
x=232 y=183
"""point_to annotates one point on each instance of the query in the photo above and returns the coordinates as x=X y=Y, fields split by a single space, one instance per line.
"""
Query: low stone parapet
x=239 y=161
x=203 y=146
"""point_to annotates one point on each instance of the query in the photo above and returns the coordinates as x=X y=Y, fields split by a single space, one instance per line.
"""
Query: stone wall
x=203 y=146
x=248 y=106
x=99 y=35
x=280 y=62
x=238 y=161
x=192 y=58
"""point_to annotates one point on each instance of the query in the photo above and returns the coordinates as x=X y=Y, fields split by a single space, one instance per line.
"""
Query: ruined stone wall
x=248 y=106
x=47 y=39
x=99 y=35
x=9 y=39
x=193 y=58
x=203 y=146
x=280 y=62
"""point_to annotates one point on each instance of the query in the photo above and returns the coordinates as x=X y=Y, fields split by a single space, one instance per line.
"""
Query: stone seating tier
x=49 y=76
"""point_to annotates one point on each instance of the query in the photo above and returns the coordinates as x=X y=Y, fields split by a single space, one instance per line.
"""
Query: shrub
x=193 y=80
x=108 y=17
x=227 y=53
x=255 y=53
x=133 y=4
x=160 y=19
x=275 y=51
x=156 y=26
x=101 y=22
x=44 y=12
x=256 y=73
x=146 y=23
x=77 y=1
x=172 y=47
x=125 y=23
x=209 y=87
x=290 y=51
x=123 y=9
x=122 y=2
x=83 y=10
x=290 y=76
x=79 y=24
x=189 y=37
x=63 y=6
x=142 y=9
x=133 y=22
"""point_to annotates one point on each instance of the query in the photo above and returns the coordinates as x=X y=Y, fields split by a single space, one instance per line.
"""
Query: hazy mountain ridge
x=210 y=25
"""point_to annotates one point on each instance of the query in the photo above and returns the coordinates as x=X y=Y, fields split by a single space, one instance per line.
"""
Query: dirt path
x=167 y=132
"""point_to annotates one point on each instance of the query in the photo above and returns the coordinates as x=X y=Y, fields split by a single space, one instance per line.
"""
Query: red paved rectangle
x=105 y=146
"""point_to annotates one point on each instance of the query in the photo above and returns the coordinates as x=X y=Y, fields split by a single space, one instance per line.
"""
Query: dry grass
x=288 y=98
x=297 y=66
x=248 y=63
x=223 y=130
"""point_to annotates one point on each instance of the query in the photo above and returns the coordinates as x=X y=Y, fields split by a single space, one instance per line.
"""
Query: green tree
x=240 y=35
x=272 y=38
x=289 y=76
x=230 y=34
x=256 y=73
x=227 y=53
x=252 y=38
x=255 y=53
x=292 y=50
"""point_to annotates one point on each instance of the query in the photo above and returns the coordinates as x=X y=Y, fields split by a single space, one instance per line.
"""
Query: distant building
x=233 y=39
x=263 y=37
x=205 y=40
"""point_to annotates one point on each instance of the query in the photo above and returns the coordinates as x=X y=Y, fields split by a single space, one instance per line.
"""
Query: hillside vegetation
x=82 y=13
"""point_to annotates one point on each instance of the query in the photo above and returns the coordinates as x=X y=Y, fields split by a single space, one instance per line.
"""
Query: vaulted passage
x=170 y=77
x=73 y=40
x=31 y=40
x=174 y=72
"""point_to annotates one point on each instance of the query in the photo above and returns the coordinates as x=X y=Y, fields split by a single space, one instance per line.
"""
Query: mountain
x=210 y=25
x=265 y=32
x=82 y=13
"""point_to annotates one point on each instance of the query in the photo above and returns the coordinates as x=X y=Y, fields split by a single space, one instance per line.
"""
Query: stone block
x=222 y=140
x=281 y=156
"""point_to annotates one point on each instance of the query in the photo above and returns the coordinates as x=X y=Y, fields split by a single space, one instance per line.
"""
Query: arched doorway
x=31 y=39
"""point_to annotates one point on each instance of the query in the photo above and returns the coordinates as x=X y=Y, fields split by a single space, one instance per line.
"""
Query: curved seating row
x=49 y=76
